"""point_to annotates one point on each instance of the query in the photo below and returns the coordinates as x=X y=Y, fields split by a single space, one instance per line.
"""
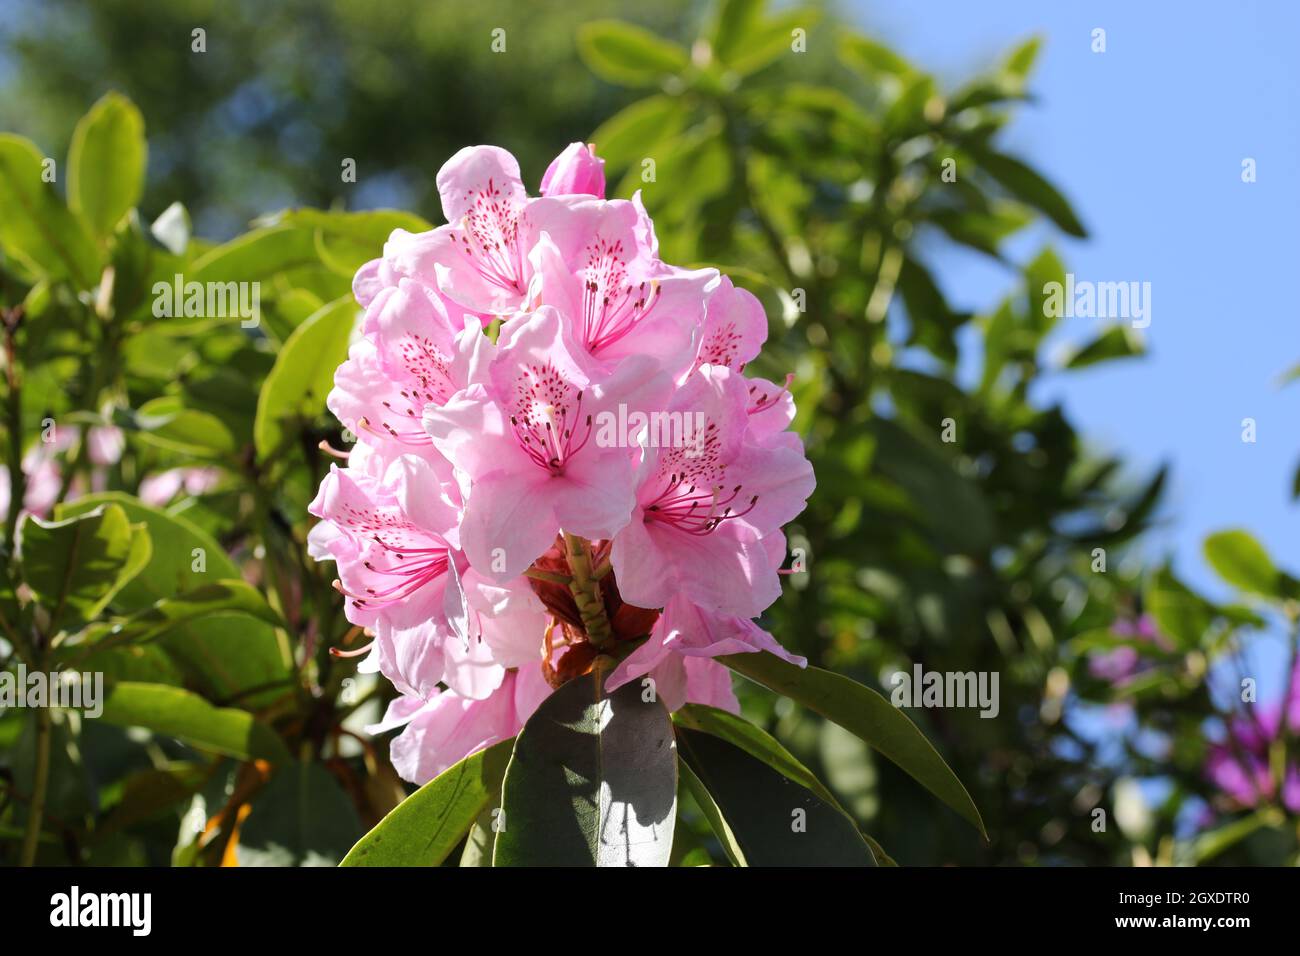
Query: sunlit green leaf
x=106 y=163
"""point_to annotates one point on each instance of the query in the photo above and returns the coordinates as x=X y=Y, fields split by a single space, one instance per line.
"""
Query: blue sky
x=1147 y=140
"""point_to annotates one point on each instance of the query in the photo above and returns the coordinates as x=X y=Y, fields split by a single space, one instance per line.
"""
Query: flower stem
x=40 y=784
x=14 y=425
x=585 y=588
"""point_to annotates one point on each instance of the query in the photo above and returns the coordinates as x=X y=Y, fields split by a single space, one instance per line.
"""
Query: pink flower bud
x=576 y=171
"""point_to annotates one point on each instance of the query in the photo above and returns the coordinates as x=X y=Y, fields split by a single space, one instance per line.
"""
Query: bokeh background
x=900 y=300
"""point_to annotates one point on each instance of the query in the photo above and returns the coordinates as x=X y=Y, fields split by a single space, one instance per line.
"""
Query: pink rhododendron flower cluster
x=600 y=479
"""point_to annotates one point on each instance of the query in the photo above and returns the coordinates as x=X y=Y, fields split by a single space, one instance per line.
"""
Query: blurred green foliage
x=958 y=523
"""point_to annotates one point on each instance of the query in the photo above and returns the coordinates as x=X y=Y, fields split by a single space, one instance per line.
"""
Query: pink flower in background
x=1121 y=665
x=159 y=489
x=1240 y=764
x=610 y=415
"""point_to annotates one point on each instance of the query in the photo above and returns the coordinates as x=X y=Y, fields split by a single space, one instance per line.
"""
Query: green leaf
x=733 y=26
x=631 y=134
x=219 y=597
x=871 y=59
x=147 y=793
x=713 y=813
x=35 y=227
x=167 y=423
x=935 y=488
x=1022 y=58
x=346 y=241
x=1242 y=561
x=745 y=41
x=867 y=714
x=257 y=255
x=425 y=827
x=174 y=712
x=1031 y=188
x=301 y=818
x=1211 y=843
x=1118 y=341
x=772 y=820
x=77 y=565
x=755 y=741
x=1182 y=615
x=480 y=841
x=628 y=55
x=592 y=781
x=227 y=654
x=303 y=373
x=106 y=163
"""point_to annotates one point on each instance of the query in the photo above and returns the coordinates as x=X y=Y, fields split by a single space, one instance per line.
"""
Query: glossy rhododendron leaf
x=592 y=781
x=425 y=827
x=867 y=714
x=772 y=820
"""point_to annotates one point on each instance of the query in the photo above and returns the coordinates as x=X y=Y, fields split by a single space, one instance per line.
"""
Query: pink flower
x=1121 y=665
x=734 y=328
x=576 y=171
x=590 y=261
x=600 y=480
x=104 y=444
x=158 y=489
x=525 y=443
x=686 y=636
x=412 y=354
x=702 y=510
x=448 y=727
x=1240 y=764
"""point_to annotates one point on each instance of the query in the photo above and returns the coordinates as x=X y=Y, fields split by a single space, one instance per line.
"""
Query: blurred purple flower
x=1240 y=765
x=1124 y=663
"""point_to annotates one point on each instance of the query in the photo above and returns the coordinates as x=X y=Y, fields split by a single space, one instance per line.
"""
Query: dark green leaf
x=1030 y=187
x=592 y=781
x=772 y=820
x=865 y=713
x=77 y=565
x=755 y=741
x=301 y=818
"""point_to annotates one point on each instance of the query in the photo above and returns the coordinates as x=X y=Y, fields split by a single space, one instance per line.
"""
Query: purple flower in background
x=1240 y=764
x=1124 y=663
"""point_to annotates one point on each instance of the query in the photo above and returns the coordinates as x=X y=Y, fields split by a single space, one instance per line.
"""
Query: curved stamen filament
x=389 y=433
x=551 y=442
x=609 y=316
x=696 y=512
x=765 y=400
